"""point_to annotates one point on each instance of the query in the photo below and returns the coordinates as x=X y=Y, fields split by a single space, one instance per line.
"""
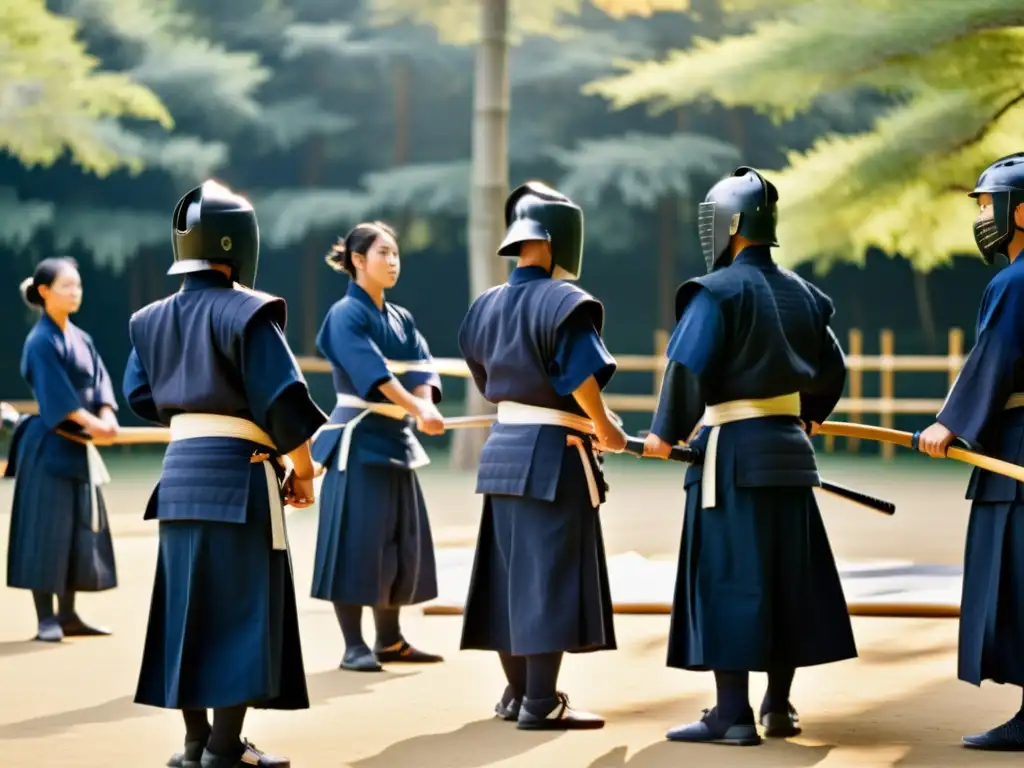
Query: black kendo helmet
x=535 y=211
x=1004 y=180
x=213 y=225
x=743 y=203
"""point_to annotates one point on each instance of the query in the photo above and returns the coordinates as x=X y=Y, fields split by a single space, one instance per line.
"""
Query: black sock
x=386 y=622
x=776 y=698
x=197 y=726
x=515 y=674
x=44 y=605
x=542 y=681
x=66 y=605
x=733 y=698
x=350 y=619
x=226 y=735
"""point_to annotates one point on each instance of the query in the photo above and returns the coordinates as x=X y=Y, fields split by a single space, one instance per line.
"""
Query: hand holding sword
x=652 y=445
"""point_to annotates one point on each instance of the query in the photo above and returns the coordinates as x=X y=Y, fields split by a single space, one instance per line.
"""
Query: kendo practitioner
x=212 y=363
x=374 y=545
x=539 y=585
x=757 y=587
x=985 y=410
x=60 y=542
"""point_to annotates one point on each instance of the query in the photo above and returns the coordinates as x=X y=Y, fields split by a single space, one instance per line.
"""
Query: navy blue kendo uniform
x=985 y=409
x=757 y=587
x=374 y=544
x=212 y=362
x=540 y=583
x=60 y=540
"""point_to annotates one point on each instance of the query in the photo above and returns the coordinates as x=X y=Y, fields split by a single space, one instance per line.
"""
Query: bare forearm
x=400 y=396
x=592 y=402
x=302 y=462
x=83 y=418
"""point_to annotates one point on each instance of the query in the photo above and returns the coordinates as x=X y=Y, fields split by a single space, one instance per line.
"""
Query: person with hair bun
x=60 y=542
x=374 y=545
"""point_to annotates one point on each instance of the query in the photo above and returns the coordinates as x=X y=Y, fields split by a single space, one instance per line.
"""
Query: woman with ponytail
x=60 y=543
x=374 y=545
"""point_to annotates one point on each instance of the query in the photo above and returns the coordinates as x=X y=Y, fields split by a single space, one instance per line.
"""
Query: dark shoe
x=73 y=626
x=509 y=712
x=49 y=631
x=710 y=730
x=1008 y=737
x=360 y=659
x=561 y=717
x=190 y=757
x=251 y=757
x=403 y=653
x=781 y=725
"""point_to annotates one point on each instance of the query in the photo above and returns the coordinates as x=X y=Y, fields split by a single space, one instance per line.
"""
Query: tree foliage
x=55 y=99
x=641 y=168
x=954 y=73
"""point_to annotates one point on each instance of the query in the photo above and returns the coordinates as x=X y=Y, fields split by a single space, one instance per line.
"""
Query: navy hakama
x=985 y=409
x=540 y=579
x=223 y=625
x=374 y=544
x=59 y=542
x=221 y=636
x=757 y=588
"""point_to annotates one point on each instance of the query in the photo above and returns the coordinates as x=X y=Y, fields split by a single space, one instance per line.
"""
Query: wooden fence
x=854 y=406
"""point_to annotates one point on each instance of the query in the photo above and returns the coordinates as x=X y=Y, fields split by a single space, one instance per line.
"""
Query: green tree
x=55 y=99
x=209 y=90
x=952 y=74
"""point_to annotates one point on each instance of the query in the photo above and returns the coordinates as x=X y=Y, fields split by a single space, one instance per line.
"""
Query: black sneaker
x=781 y=725
x=190 y=757
x=1008 y=737
x=250 y=757
x=560 y=717
x=403 y=653
x=360 y=659
x=711 y=730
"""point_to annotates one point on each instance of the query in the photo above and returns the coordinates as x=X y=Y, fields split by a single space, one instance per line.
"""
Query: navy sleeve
x=104 y=385
x=985 y=383
x=278 y=396
x=136 y=390
x=821 y=396
x=692 y=353
x=419 y=350
x=475 y=369
x=579 y=354
x=345 y=340
x=680 y=404
x=51 y=385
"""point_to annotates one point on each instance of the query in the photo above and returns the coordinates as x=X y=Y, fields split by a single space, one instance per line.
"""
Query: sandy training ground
x=898 y=704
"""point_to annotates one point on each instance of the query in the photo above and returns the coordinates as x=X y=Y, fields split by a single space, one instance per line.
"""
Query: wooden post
x=956 y=353
x=661 y=337
x=887 y=343
x=856 y=379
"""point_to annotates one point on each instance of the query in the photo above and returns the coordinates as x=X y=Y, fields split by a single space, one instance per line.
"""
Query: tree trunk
x=489 y=188
x=925 y=313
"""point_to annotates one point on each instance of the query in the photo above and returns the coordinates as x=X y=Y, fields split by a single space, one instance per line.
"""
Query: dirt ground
x=898 y=704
